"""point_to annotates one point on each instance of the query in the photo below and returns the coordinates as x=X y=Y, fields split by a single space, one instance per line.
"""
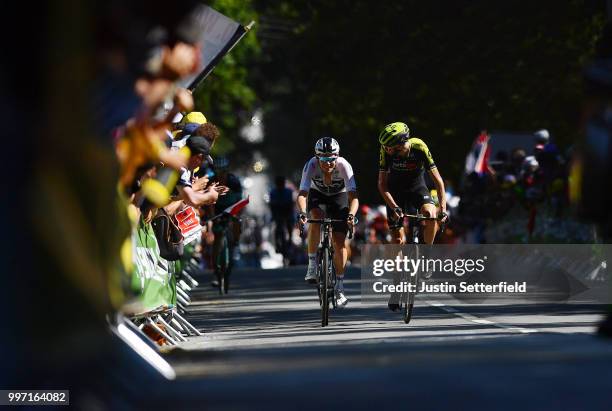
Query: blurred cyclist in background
x=282 y=210
x=234 y=194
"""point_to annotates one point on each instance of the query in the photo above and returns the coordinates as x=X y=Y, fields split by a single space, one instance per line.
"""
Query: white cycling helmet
x=542 y=136
x=327 y=147
x=530 y=162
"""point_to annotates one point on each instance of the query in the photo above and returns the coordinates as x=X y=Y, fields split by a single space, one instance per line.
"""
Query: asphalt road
x=264 y=348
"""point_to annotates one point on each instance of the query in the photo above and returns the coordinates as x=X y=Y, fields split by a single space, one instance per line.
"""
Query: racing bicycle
x=326 y=271
x=414 y=236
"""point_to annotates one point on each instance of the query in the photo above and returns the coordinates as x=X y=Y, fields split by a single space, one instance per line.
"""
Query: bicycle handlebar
x=325 y=220
x=329 y=221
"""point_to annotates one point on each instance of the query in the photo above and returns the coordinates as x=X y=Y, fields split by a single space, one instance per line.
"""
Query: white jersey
x=342 y=177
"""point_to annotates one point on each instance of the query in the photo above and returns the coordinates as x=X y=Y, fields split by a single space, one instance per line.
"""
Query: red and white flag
x=234 y=209
x=478 y=158
x=189 y=224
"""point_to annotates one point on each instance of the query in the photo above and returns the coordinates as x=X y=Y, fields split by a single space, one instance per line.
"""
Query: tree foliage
x=226 y=93
x=447 y=68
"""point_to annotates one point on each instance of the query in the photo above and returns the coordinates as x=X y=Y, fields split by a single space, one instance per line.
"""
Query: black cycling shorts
x=410 y=201
x=334 y=206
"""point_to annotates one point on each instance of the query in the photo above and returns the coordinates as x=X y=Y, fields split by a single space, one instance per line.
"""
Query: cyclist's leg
x=287 y=250
x=216 y=248
x=236 y=231
x=398 y=236
x=278 y=232
x=338 y=209
x=289 y=225
x=284 y=233
x=314 y=232
x=423 y=202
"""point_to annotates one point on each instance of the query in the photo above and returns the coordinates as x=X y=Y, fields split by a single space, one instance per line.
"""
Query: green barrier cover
x=155 y=282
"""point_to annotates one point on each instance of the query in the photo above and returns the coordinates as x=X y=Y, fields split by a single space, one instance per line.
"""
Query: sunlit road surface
x=264 y=348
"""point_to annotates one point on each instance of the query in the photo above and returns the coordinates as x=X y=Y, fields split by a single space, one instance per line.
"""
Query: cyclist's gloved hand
x=302 y=218
x=444 y=217
x=398 y=213
x=350 y=219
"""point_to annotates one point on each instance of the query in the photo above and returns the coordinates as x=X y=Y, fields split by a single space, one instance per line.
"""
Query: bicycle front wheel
x=324 y=286
x=413 y=281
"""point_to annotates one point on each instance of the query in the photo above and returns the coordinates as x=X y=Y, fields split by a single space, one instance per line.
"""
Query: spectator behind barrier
x=200 y=149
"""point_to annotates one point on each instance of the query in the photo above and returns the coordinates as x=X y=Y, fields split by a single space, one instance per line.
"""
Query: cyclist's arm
x=383 y=189
x=383 y=178
x=353 y=202
x=437 y=179
x=301 y=205
x=301 y=201
x=433 y=172
x=305 y=185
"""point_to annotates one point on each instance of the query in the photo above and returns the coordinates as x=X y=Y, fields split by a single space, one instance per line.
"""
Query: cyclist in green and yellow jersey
x=401 y=166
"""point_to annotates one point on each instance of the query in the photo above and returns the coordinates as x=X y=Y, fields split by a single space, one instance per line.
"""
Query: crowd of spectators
x=530 y=181
x=97 y=100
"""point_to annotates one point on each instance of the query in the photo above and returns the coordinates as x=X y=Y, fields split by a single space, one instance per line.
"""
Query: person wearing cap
x=186 y=127
x=200 y=151
x=194 y=117
x=187 y=124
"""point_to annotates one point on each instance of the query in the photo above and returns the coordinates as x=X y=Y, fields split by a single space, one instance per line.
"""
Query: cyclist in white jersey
x=328 y=189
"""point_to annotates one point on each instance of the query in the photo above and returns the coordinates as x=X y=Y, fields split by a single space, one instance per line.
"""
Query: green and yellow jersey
x=406 y=171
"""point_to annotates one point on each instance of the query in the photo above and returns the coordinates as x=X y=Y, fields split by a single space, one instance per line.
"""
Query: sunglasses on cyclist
x=328 y=159
x=393 y=149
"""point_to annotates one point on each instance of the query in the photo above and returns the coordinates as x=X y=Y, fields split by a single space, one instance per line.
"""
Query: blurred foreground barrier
x=163 y=290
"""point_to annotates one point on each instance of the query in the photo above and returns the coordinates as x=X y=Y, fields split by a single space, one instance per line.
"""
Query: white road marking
x=477 y=320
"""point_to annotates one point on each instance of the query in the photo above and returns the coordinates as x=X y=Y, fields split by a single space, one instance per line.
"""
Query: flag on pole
x=219 y=36
x=477 y=159
x=234 y=209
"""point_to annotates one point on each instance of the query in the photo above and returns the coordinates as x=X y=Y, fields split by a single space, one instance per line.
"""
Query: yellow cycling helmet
x=394 y=134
